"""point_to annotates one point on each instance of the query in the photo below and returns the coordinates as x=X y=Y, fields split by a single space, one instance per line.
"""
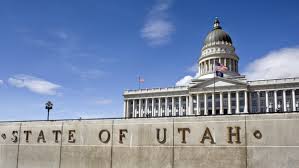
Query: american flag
x=140 y=80
x=220 y=68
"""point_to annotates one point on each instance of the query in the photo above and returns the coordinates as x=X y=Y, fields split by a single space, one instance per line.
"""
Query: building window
x=262 y=94
x=254 y=102
x=262 y=102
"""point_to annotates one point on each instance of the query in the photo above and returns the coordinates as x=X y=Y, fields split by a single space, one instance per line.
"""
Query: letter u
x=164 y=136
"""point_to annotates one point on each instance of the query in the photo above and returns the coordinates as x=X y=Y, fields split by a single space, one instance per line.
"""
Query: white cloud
x=187 y=79
x=184 y=81
x=103 y=101
x=1 y=82
x=193 y=68
x=281 y=63
x=158 y=28
x=34 y=84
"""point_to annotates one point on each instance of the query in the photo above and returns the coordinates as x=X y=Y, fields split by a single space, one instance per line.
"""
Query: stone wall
x=253 y=141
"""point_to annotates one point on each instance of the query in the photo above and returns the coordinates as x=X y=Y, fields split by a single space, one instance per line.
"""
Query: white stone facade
x=210 y=95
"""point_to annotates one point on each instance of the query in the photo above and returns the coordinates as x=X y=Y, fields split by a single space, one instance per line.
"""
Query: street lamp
x=49 y=106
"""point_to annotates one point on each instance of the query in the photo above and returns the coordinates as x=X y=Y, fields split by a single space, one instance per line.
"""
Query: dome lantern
x=217 y=24
x=217 y=34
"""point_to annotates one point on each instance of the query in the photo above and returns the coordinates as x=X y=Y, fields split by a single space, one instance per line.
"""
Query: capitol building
x=212 y=95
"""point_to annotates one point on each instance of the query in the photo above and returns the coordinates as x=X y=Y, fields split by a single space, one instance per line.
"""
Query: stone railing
x=151 y=90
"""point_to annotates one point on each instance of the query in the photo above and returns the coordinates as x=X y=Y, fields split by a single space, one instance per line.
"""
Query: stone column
x=197 y=104
x=245 y=102
x=146 y=107
x=250 y=103
x=258 y=102
x=267 y=101
x=139 y=108
x=208 y=66
x=190 y=105
x=125 y=112
x=134 y=108
x=166 y=106
x=180 y=105
x=284 y=100
x=294 y=100
x=275 y=100
x=221 y=103
x=213 y=104
x=172 y=107
x=206 y=104
x=127 y=108
x=237 y=103
x=186 y=104
x=229 y=106
x=159 y=108
x=153 y=107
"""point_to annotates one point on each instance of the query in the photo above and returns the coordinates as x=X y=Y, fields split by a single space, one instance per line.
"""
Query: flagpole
x=214 y=90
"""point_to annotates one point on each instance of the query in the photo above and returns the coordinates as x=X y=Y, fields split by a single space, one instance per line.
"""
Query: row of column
x=208 y=65
x=188 y=104
x=153 y=111
x=277 y=106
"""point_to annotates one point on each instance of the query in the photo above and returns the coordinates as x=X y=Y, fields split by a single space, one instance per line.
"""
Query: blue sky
x=82 y=55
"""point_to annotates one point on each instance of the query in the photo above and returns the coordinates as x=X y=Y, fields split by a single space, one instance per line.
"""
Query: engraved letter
x=27 y=132
x=164 y=136
x=231 y=134
x=56 y=132
x=71 y=136
x=122 y=135
x=207 y=135
x=184 y=133
x=15 y=136
x=41 y=137
x=108 y=136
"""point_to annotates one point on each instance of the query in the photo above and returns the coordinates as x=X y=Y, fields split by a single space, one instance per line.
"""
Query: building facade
x=210 y=95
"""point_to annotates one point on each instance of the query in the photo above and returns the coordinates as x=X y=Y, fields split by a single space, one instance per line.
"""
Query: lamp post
x=49 y=106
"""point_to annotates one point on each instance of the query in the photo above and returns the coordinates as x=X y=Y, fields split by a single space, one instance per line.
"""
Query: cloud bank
x=184 y=81
x=34 y=84
x=282 y=63
x=158 y=28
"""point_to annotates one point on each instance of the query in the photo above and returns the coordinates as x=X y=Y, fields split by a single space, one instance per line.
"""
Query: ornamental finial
x=217 y=23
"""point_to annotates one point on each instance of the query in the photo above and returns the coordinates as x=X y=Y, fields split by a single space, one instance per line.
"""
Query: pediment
x=219 y=82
